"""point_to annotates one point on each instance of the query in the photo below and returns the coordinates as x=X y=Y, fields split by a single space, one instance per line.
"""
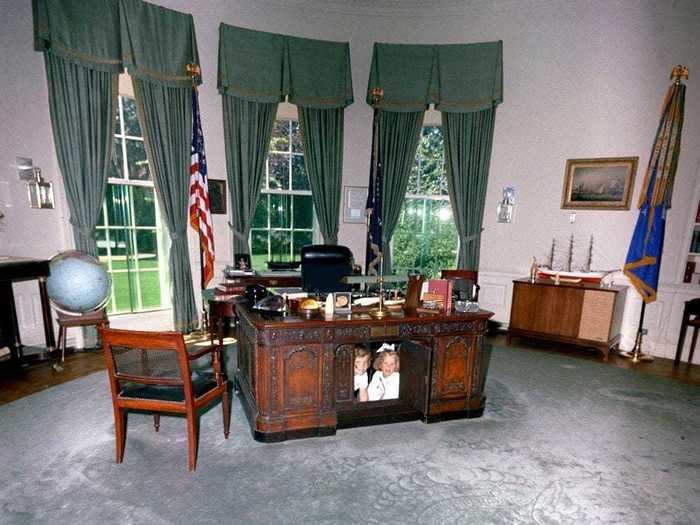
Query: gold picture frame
x=599 y=184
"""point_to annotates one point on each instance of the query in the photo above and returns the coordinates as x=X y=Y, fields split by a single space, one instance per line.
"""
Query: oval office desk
x=295 y=375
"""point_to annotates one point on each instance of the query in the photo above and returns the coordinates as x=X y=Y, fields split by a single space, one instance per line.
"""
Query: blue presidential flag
x=644 y=255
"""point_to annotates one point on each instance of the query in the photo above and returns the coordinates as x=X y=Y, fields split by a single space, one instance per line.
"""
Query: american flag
x=200 y=213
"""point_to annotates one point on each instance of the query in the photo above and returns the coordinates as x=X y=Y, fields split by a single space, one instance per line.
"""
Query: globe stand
x=95 y=318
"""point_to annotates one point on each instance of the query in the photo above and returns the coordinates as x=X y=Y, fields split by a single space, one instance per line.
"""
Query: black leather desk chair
x=691 y=317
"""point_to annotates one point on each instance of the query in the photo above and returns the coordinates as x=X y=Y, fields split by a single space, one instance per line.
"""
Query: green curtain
x=157 y=43
x=247 y=131
x=165 y=114
x=468 y=141
x=322 y=140
x=455 y=77
x=265 y=67
x=84 y=32
x=82 y=103
x=399 y=134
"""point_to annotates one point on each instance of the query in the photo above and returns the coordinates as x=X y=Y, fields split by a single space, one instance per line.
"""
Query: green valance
x=157 y=43
x=459 y=78
x=265 y=67
x=85 y=32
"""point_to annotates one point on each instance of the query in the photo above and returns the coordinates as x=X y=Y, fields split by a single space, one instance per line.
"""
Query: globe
x=77 y=283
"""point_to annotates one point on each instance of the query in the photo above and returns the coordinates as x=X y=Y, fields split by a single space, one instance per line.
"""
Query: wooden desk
x=14 y=269
x=582 y=314
x=268 y=279
x=295 y=375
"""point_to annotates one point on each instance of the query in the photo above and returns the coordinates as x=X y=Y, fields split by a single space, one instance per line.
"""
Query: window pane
x=425 y=239
x=101 y=240
x=301 y=239
x=122 y=291
x=144 y=206
x=280 y=211
x=296 y=137
x=147 y=248
x=131 y=121
x=136 y=160
x=150 y=289
x=300 y=181
x=258 y=242
x=261 y=208
x=280 y=136
x=303 y=212
x=412 y=188
x=430 y=177
x=280 y=245
x=117 y=205
x=117 y=168
x=278 y=171
x=118 y=122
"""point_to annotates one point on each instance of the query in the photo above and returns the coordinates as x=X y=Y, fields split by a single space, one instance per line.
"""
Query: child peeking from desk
x=385 y=385
x=363 y=373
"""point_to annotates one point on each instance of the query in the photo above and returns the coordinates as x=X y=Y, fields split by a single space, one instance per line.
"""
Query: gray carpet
x=562 y=441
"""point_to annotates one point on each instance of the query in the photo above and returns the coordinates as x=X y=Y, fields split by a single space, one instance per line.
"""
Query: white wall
x=582 y=79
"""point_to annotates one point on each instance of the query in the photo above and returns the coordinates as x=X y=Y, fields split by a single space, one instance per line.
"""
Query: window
x=425 y=239
x=129 y=233
x=284 y=216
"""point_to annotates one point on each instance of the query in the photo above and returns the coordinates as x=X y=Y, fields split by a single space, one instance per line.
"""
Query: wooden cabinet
x=581 y=314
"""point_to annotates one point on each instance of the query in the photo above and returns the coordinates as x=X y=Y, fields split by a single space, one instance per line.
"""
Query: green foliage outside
x=425 y=239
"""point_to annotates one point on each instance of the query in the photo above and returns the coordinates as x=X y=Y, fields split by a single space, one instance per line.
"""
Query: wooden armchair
x=468 y=275
x=151 y=371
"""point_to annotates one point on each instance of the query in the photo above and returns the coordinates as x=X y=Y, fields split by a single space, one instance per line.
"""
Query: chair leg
x=226 y=407
x=192 y=440
x=156 y=422
x=692 y=345
x=120 y=421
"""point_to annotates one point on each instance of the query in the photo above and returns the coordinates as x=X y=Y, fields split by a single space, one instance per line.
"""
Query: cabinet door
x=300 y=378
x=452 y=368
x=547 y=309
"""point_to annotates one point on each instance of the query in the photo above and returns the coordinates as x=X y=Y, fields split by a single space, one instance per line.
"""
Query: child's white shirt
x=361 y=380
x=383 y=387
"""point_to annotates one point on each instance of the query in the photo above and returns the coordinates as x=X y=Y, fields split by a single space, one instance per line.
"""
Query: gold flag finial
x=679 y=73
x=377 y=95
x=195 y=72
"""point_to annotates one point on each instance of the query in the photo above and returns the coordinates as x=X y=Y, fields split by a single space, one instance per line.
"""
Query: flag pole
x=194 y=71
x=660 y=174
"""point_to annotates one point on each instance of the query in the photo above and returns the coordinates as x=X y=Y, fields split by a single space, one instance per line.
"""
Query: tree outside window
x=425 y=239
x=284 y=215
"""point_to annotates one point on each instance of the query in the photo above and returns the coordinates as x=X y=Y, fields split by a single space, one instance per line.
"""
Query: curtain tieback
x=471 y=238
x=237 y=234
x=176 y=236
x=85 y=231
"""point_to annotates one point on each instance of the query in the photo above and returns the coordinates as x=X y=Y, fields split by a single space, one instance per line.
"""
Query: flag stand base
x=636 y=355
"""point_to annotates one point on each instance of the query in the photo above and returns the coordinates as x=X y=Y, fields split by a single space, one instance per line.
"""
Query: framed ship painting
x=599 y=184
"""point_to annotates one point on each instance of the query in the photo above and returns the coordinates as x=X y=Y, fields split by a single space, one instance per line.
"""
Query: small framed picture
x=342 y=302
x=217 y=196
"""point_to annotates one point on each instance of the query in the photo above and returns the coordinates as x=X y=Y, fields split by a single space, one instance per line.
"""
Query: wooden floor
x=15 y=384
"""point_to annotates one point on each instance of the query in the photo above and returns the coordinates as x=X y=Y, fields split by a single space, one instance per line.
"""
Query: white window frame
x=431 y=118
x=288 y=112
x=162 y=241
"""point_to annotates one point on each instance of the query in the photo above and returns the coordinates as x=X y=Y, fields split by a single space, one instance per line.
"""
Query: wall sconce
x=506 y=207
x=39 y=191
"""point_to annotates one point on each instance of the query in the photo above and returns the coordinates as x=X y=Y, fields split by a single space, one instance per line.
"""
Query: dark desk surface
x=316 y=320
x=22 y=268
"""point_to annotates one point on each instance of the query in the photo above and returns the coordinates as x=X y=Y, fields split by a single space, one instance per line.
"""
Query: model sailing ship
x=568 y=272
